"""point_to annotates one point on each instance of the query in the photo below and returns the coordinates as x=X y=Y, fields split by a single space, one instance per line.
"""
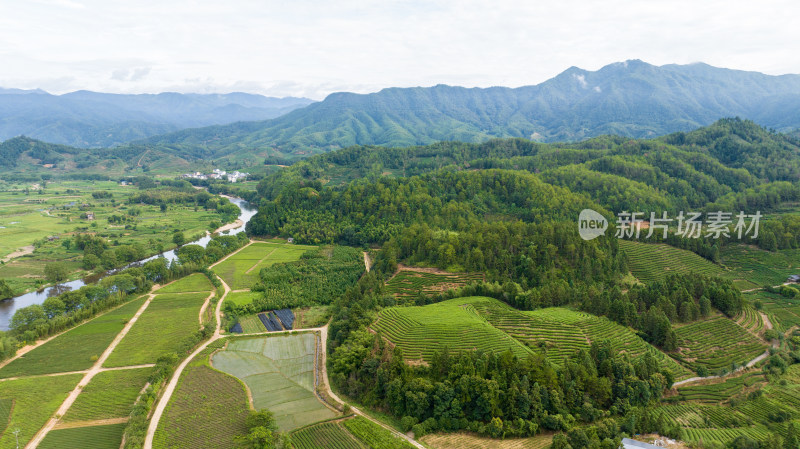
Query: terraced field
x=160 y=329
x=761 y=267
x=717 y=392
x=470 y=441
x=410 y=282
x=35 y=401
x=241 y=270
x=196 y=282
x=558 y=333
x=783 y=312
x=279 y=371
x=207 y=410
x=653 y=262
x=74 y=349
x=751 y=320
x=110 y=394
x=717 y=343
x=325 y=435
x=422 y=330
x=94 y=437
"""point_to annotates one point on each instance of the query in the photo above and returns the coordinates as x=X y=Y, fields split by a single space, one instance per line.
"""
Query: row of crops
x=420 y=331
x=717 y=343
x=559 y=332
x=408 y=283
x=271 y=321
x=761 y=267
x=353 y=433
x=751 y=320
x=653 y=262
x=721 y=391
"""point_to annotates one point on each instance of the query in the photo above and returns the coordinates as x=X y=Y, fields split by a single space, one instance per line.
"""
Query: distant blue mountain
x=91 y=119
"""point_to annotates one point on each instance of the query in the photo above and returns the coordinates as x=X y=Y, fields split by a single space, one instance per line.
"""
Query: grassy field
x=241 y=270
x=74 y=350
x=279 y=372
x=409 y=282
x=375 y=436
x=159 y=330
x=653 y=262
x=6 y=405
x=717 y=343
x=35 y=401
x=329 y=435
x=558 y=333
x=31 y=218
x=208 y=409
x=110 y=394
x=196 y=282
x=461 y=440
x=93 y=437
x=306 y=317
x=422 y=330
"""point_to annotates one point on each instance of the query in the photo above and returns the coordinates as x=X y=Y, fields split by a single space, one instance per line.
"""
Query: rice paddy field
x=422 y=330
x=208 y=409
x=717 y=343
x=35 y=401
x=325 y=435
x=74 y=349
x=93 y=437
x=461 y=440
x=411 y=282
x=110 y=394
x=241 y=270
x=653 y=262
x=160 y=329
x=279 y=372
x=196 y=282
x=558 y=332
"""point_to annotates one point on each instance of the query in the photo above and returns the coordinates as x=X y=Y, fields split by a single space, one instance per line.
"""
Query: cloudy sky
x=312 y=48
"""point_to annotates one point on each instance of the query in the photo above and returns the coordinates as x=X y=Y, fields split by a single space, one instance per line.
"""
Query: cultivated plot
x=653 y=262
x=241 y=270
x=279 y=372
x=76 y=349
x=166 y=322
x=110 y=394
x=196 y=282
x=420 y=331
x=717 y=343
x=35 y=401
x=94 y=437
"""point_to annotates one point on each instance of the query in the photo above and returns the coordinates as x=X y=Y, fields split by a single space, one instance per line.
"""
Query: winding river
x=9 y=306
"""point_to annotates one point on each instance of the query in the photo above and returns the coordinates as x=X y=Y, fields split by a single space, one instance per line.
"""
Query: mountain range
x=90 y=119
x=632 y=99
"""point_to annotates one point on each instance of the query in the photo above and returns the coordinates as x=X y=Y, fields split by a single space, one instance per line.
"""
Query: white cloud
x=597 y=89
x=313 y=47
x=581 y=80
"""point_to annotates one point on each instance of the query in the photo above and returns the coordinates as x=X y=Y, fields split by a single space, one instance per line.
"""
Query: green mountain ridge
x=631 y=99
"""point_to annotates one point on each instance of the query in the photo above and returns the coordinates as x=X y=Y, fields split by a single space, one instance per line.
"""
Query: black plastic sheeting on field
x=286 y=316
x=237 y=328
x=274 y=320
x=270 y=323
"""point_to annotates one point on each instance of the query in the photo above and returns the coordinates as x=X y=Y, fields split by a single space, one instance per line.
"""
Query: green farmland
x=279 y=371
x=110 y=394
x=93 y=437
x=327 y=435
x=411 y=282
x=717 y=343
x=455 y=324
x=653 y=262
x=160 y=329
x=241 y=270
x=74 y=349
